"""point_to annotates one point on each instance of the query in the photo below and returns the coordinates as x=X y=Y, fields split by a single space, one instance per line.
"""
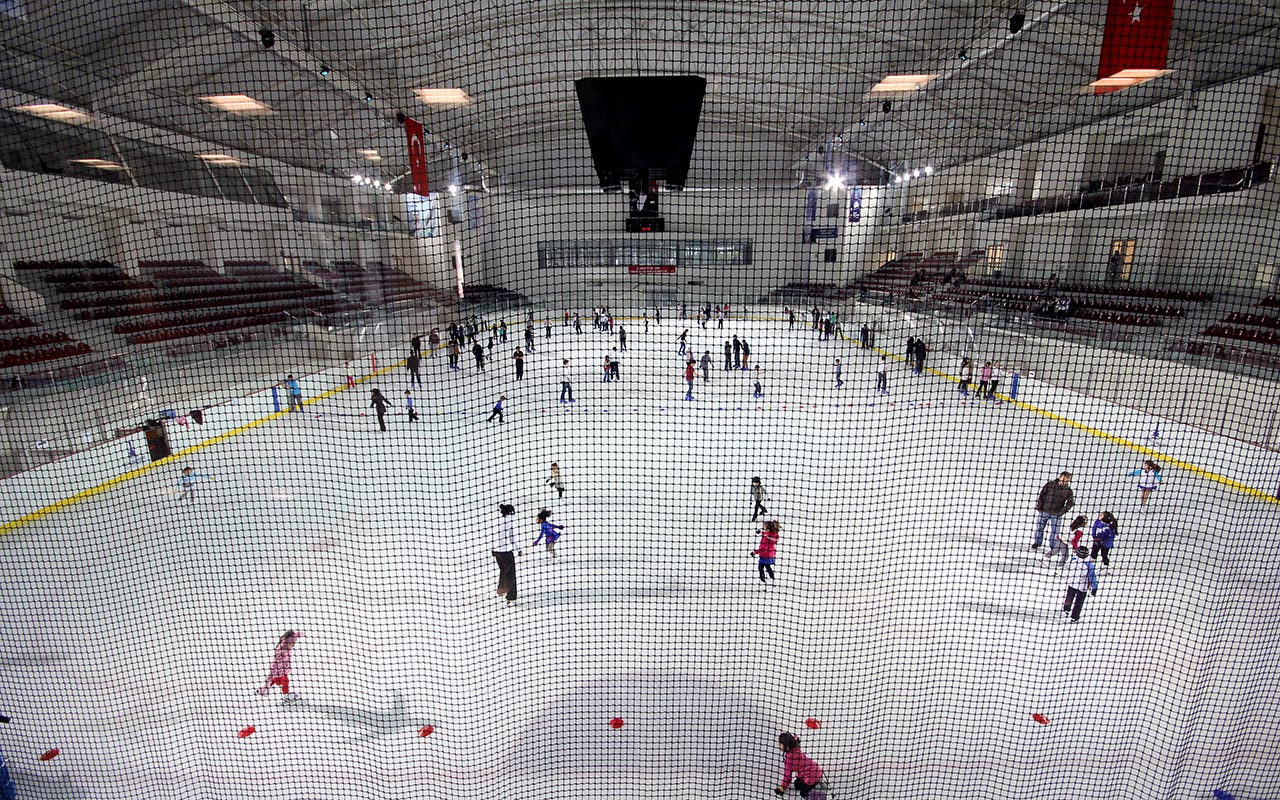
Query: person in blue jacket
x=188 y=483
x=1104 y=536
x=1082 y=577
x=548 y=530
x=1148 y=480
x=295 y=394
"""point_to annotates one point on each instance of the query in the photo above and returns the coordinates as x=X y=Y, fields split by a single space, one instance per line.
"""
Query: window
x=1120 y=262
x=829 y=255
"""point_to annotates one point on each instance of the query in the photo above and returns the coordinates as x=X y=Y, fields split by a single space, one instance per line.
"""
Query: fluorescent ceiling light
x=54 y=112
x=901 y=83
x=237 y=104
x=1126 y=78
x=372 y=155
x=221 y=159
x=443 y=97
x=98 y=163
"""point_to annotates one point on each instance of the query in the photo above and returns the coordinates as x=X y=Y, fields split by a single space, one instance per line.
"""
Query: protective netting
x=280 y=433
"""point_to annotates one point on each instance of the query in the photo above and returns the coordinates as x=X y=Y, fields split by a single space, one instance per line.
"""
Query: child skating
x=839 y=368
x=280 y=665
x=548 y=530
x=1148 y=480
x=555 y=480
x=767 y=551
x=1104 y=537
x=1082 y=577
x=758 y=495
x=757 y=392
x=1069 y=540
x=188 y=483
x=797 y=767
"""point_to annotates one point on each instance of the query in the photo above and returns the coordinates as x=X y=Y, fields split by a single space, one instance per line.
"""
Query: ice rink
x=909 y=616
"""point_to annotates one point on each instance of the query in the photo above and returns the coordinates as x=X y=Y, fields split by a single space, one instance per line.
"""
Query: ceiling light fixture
x=1016 y=21
x=443 y=97
x=268 y=38
x=371 y=154
x=835 y=181
x=964 y=54
x=928 y=170
x=99 y=163
x=324 y=71
x=1126 y=78
x=237 y=104
x=368 y=98
x=886 y=106
x=54 y=112
x=900 y=84
x=220 y=159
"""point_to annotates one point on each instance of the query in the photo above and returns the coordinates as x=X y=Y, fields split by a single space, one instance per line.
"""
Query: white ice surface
x=909 y=615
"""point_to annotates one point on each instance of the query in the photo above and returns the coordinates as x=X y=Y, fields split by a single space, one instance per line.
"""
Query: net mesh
x=799 y=426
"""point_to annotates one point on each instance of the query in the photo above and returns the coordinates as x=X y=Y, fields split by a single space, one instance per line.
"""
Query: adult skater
x=518 y=357
x=996 y=374
x=556 y=481
x=839 y=381
x=689 y=374
x=767 y=551
x=1082 y=577
x=728 y=356
x=684 y=341
x=737 y=353
x=414 y=364
x=806 y=772
x=882 y=376
x=409 y=406
x=566 y=386
x=477 y=352
x=864 y=336
x=1054 y=500
x=379 y=404
x=791 y=318
x=1148 y=480
x=1104 y=532
x=505 y=548
x=622 y=338
x=528 y=338
x=966 y=376
x=455 y=353
x=758 y=495
x=746 y=354
x=922 y=350
x=911 y=348
x=433 y=341
x=608 y=369
x=187 y=483
x=984 y=381
x=280 y=666
x=549 y=531
x=295 y=394
x=657 y=316
x=415 y=345
x=497 y=410
x=706 y=366
x=615 y=367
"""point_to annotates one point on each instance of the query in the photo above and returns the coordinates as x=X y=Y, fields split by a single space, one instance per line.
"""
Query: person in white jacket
x=1082 y=577
x=566 y=384
x=505 y=549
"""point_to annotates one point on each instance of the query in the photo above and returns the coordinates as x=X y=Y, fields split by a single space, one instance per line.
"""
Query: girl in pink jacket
x=794 y=762
x=279 y=675
x=767 y=550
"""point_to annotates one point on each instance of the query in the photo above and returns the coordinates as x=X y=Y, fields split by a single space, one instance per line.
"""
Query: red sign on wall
x=655 y=269
x=417 y=156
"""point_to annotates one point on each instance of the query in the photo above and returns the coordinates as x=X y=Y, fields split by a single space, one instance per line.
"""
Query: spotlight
x=964 y=54
x=1015 y=21
x=862 y=123
x=355 y=179
x=268 y=38
x=368 y=98
x=928 y=170
x=915 y=173
x=453 y=189
x=324 y=71
x=835 y=182
x=886 y=106
x=897 y=179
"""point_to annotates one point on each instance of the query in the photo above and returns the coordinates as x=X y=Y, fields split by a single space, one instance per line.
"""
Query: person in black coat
x=518 y=355
x=379 y=404
x=477 y=350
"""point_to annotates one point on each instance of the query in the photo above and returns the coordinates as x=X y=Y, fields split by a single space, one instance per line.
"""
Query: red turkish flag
x=1136 y=37
x=417 y=155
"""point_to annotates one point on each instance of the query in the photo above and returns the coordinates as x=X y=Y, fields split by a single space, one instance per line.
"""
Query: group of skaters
x=1069 y=548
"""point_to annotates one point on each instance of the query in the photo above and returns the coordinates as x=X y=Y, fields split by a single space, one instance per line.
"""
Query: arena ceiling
x=785 y=79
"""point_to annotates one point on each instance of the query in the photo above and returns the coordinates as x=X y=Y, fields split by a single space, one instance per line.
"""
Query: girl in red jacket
x=794 y=762
x=767 y=550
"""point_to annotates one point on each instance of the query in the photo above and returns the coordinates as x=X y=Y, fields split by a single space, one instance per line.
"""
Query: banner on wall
x=423 y=214
x=855 y=205
x=651 y=269
x=417 y=155
x=1136 y=38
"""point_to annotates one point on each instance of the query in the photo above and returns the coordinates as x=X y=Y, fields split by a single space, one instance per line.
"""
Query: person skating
x=477 y=352
x=1054 y=500
x=758 y=495
x=758 y=389
x=409 y=406
x=295 y=394
x=737 y=353
x=684 y=342
x=689 y=374
x=966 y=376
x=1148 y=480
x=622 y=338
x=566 y=385
x=1082 y=578
x=767 y=551
x=556 y=481
x=379 y=404
x=882 y=376
x=1069 y=541
x=922 y=350
x=281 y=664
x=497 y=410
x=518 y=357
x=706 y=366
x=728 y=356
x=798 y=766
x=528 y=338
x=746 y=354
x=1104 y=531
x=413 y=363
x=455 y=353
x=984 y=381
x=839 y=381
x=615 y=367
x=188 y=483
x=549 y=531
x=433 y=341
x=415 y=345
x=505 y=548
